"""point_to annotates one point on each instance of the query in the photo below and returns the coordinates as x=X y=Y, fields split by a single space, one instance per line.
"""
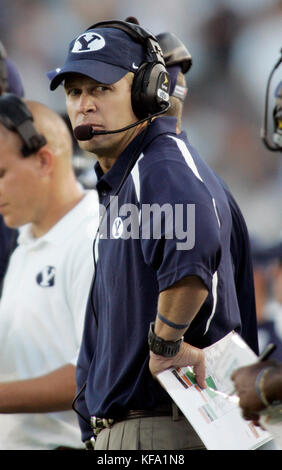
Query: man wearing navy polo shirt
x=162 y=253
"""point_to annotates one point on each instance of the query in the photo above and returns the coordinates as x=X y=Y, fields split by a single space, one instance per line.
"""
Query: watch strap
x=162 y=347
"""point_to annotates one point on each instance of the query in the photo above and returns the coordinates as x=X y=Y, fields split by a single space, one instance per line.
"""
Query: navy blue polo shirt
x=139 y=256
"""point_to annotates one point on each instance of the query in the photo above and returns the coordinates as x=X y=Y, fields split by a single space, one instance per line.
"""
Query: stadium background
x=234 y=45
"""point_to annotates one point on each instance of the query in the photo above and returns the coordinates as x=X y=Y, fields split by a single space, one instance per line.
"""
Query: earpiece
x=15 y=115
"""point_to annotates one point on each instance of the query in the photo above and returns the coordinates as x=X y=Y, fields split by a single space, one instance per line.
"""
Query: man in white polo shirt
x=48 y=278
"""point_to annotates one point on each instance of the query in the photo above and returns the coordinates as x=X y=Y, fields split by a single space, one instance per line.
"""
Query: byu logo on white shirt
x=88 y=42
x=117 y=228
x=46 y=278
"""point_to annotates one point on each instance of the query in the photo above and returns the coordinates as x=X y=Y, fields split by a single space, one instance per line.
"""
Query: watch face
x=161 y=347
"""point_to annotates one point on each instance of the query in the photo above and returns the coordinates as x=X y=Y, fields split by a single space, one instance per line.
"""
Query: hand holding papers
x=213 y=412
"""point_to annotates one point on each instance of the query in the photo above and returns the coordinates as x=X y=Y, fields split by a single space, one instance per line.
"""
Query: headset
x=276 y=145
x=16 y=117
x=3 y=70
x=175 y=54
x=174 y=51
x=150 y=88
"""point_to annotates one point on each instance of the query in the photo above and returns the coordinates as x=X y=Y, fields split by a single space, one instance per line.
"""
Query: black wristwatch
x=161 y=347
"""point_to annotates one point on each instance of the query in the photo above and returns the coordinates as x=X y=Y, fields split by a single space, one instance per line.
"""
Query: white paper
x=271 y=420
x=215 y=417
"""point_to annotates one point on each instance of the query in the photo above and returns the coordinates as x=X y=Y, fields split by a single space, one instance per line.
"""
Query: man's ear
x=44 y=161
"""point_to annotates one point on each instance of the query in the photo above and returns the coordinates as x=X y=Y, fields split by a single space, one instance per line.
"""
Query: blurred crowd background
x=234 y=45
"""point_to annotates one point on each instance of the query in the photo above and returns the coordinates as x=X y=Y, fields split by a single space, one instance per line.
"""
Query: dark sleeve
x=181 y=235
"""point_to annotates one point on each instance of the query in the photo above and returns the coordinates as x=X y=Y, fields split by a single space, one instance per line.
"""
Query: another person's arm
x=179 y=305
x=258 y=385
x=47 y=393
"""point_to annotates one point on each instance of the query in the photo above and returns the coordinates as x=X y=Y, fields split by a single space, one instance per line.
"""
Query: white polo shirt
x=41 y=319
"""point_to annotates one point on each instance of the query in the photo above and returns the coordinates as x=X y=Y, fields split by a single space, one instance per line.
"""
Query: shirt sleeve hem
x=168 y=279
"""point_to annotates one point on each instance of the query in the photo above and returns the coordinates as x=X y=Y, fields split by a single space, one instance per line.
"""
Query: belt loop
x=90 y=443
x=175 y=412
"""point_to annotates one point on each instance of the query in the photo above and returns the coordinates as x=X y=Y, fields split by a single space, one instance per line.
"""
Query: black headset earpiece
x=15 y=116
x=150 y=88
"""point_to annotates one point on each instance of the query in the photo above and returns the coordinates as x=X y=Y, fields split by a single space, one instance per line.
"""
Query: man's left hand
x=187 y=356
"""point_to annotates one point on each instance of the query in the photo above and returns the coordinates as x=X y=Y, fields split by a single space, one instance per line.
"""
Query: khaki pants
x=156 y=433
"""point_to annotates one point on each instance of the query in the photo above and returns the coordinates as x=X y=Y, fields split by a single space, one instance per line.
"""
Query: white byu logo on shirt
x=117 y=228
x=46 y=278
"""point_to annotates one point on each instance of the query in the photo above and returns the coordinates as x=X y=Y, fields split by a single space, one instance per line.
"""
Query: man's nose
x=87 y=103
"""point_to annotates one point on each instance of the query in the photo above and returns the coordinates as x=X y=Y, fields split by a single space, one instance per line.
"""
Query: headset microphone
x=83 y=132
x=86 y=131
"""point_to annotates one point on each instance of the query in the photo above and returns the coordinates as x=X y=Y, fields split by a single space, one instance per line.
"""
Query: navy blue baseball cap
x=103 y=54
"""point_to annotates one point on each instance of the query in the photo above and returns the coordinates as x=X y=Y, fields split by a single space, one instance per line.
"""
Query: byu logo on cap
x=46 y=278
x=88 y=42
